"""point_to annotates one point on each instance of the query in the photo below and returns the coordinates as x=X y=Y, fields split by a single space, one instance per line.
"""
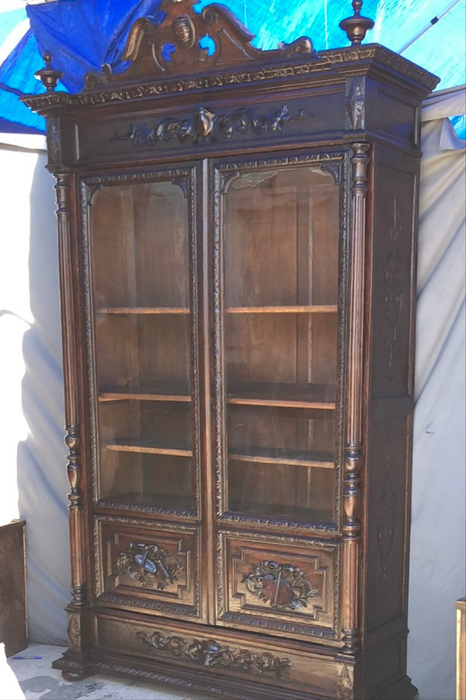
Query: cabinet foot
x=73 y=667
x=402 y=690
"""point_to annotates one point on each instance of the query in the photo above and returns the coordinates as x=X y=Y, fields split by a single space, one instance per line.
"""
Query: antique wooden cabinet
x=238 y=255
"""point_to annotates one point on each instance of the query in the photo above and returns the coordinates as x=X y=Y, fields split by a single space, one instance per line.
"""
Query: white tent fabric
x=31 y=407
x=437 y=567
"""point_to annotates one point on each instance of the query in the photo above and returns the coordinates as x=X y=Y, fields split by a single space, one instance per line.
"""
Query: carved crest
x=148 y=565
x=177 y=44
x=283 y=586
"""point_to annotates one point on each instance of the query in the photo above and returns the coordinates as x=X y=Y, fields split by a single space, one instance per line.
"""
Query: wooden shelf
x=312 y=309
x=162 y=391
x=142 y=310
x=283 y=395
x=305 y=396
x=142 y=446
x=270 y=510
x=156 y=500
x=291 y=458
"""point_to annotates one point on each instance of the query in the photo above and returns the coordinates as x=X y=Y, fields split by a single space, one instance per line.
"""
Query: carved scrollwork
x=204 y=125
x=283 y=586
x=149 y=565
x=211 y=653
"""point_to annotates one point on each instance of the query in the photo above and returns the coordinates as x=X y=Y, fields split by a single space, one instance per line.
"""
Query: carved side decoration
x=387 y=513
x=72 y=438
x=174 y=45
x=282 y=586
x=353 y=448
x=355 y=97
x=393 y=292
x=213 y=654
x=149 y=565
x=74 y=630
x=345 y=682
x=53 y=139
x=204 y=125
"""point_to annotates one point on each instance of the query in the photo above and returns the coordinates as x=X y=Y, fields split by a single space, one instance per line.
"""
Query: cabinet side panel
x=389 y=419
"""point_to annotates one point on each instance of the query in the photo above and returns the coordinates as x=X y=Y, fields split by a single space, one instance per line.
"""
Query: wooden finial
x=48 y=76
x=356 y=26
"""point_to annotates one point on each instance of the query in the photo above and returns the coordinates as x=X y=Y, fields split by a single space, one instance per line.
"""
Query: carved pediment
x=174 y=45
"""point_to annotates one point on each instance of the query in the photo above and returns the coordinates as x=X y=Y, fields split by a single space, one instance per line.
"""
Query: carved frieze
x=282 y=586
x=204 y=125
x=211 y=653
x=149 y=565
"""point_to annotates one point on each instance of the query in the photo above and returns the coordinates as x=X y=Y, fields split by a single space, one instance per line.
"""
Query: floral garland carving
x=204 y=125
x=210 y=653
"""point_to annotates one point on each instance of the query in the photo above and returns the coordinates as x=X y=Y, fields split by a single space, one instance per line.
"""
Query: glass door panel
x=140 y=236
x=280 y=239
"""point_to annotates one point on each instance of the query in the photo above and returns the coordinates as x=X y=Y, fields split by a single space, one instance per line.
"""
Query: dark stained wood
x=13 y=601
x=237 y=254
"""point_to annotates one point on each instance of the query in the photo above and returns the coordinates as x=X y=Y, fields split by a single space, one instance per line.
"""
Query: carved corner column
x=77 y=622
x=353 y=435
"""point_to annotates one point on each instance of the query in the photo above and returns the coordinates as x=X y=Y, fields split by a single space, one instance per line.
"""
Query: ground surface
x=30 y=676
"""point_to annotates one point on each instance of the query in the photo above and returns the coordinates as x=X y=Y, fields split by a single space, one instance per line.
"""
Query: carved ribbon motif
x=211 y=653
x=149 y=565
x=204 y=125
x=283 y=586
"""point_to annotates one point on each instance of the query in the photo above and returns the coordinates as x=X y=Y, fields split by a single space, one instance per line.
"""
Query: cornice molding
x=322 y=64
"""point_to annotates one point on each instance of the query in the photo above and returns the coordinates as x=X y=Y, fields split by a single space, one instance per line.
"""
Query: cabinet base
x=401 y=690
x=75 y=667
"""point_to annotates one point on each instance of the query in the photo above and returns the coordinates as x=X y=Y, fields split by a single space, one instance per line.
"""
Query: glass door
x=278 y=338
x=142 y=243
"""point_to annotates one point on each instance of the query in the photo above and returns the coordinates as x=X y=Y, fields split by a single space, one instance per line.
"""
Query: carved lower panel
x=283 y=586
x=147 y=568
x=263 y=668
x=212 y=653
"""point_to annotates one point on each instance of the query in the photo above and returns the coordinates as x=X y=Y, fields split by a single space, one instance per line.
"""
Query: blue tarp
x=82 y=35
